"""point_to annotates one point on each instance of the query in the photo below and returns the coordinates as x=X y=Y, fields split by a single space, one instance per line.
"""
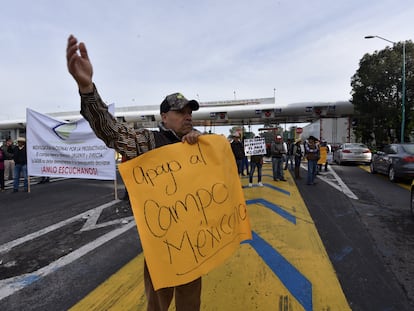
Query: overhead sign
x=219 y=116
x=266 y=114
x=189 y=207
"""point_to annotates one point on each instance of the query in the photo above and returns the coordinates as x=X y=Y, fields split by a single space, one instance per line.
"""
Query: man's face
x=179 y=121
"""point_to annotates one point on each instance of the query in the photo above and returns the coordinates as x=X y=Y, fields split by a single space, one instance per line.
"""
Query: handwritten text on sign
x=189 y=208
x=255 y=146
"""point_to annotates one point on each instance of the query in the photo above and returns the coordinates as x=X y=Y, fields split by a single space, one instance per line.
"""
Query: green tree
x=376 y=95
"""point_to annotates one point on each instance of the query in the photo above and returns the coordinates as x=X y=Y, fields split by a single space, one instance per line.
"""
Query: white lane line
x=91 y=222
x=14 y=284
x=338 y=183
x=7 y=246
x=341 y=186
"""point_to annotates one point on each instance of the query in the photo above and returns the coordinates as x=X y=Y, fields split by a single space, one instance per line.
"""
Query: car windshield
x=409 y=148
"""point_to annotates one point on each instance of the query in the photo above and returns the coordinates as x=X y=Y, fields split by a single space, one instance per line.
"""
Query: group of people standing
x=317 y=156
x=292 y=153
x=284 y=156
x=13 y=163
x=242 y=162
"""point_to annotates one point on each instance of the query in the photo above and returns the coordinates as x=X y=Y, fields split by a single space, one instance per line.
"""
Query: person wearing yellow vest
x=323 y=160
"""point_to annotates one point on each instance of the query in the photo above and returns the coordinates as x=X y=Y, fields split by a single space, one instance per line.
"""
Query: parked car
x=394 y=160
x=352 y=153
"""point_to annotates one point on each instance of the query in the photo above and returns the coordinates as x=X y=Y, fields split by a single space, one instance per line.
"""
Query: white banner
x=255 y=146
x=66 y=149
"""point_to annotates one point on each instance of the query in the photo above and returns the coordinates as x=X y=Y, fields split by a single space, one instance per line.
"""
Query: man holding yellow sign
x=187 y=200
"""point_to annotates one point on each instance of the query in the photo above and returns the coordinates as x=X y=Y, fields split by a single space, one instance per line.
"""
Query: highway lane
x=383 y=211
x=369 y=235
x=371 y=262
x=45 y=226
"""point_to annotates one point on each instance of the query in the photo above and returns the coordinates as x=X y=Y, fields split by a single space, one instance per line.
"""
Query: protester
x=312 y=155
x=8 y=159
x=175 y=126
x=323 y=160
x=297 y=152
x=1 y=170
x=277 y=150
x=256 y=160
x=245 y=165
x=238 y=152
x=289 y=154
x=20 y=164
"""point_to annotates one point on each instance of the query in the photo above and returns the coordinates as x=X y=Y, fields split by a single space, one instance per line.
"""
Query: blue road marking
x=277 y=189
x=288 y=216
x=27 y=280
x=342 y=253
x=297 y=284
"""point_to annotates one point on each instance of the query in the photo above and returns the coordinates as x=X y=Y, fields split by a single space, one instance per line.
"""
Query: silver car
x=352 y=153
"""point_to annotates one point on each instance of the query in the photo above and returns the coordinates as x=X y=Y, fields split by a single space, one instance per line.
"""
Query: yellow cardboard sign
x=189 y=207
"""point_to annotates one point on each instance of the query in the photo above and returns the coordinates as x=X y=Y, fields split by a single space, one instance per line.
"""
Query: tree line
x=377 y=96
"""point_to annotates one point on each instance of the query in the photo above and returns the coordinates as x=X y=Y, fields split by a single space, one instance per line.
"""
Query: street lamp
x=403 y=84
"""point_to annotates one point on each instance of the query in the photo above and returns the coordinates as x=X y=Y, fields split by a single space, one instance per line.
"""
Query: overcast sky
x=209 y=50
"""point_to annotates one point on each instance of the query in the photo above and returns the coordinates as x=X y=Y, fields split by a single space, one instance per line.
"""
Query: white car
x=353 y=153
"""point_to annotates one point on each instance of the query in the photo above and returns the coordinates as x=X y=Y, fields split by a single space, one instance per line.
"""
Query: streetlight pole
x=403 y=96
x=402 y=82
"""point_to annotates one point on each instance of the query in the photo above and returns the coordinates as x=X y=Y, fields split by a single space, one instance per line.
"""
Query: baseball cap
x=177 y=101
x=278 y=137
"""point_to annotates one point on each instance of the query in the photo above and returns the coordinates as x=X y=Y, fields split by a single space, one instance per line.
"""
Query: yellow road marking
x=123 y=291
x=246 y=282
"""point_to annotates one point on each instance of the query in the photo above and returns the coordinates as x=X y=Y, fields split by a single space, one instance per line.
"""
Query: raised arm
x=79 y=65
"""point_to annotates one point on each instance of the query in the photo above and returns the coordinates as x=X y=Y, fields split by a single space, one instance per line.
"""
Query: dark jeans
x=20 y=169
x=239 y=163
x=2 y=178
x=297 y=161
x=289 y=158
x=277 y=167
x=321 y=165
x=253 y=166
x=245 y=165
x=311 y=171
